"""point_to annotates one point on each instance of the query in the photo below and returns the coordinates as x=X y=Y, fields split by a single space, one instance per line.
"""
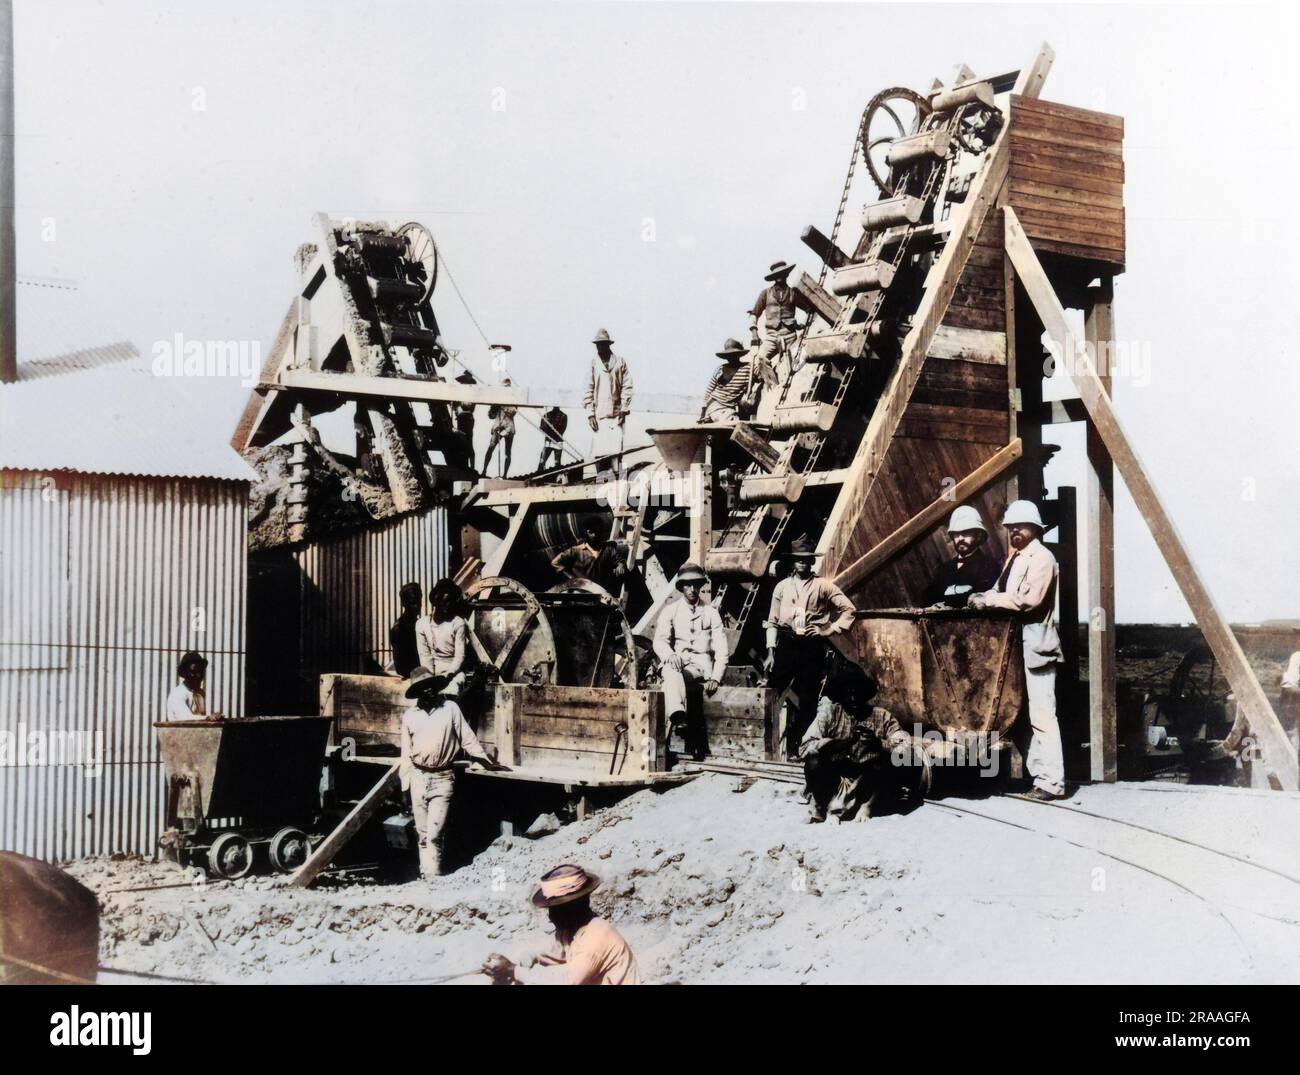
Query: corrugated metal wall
x=104 y=582
x=345 y=591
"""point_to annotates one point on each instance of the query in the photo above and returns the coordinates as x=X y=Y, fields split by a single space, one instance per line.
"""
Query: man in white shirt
x=805 y=612
x=1027 y=585
x=434 y=735
x=187 y=700
x=691 y=645
x=607 y=399
x=442 y=637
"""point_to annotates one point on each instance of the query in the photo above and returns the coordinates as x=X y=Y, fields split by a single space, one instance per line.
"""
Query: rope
x=455 y=358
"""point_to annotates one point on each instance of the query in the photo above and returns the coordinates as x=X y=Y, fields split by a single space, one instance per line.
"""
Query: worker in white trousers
x=1027 y=585
x=434 y=736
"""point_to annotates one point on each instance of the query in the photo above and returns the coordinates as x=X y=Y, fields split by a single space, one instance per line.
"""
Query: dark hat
x=850 y=677
x=423 y=680
x=192 y=659
x=803 y=548
x=602 y=337
x=690 y=572
x=732 y=347
x=778 y=270
x=564 y=884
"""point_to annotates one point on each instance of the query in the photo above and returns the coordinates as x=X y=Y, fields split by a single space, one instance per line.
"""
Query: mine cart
x=235 y=787
x=956 y=671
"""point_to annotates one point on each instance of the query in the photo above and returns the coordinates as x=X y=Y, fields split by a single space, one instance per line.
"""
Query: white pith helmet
x=966 y=518
x=1022 y=511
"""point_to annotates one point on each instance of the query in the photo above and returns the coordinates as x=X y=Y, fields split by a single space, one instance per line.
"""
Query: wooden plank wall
x=368 y=710
x=1067 y=180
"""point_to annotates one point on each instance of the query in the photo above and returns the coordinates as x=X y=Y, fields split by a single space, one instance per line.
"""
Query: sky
x=636 y=166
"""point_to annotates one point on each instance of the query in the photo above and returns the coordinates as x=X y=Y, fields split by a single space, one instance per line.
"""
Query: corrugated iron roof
x=115 y=420
x=95 y=408
x=88 y=358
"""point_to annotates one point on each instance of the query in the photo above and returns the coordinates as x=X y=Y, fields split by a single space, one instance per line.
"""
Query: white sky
x=183 y=220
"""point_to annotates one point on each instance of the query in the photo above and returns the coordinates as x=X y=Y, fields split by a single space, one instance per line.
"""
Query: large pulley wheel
x=289 y=849
x=977 y=127
x=890 y=115
x=230 y=856
x=422 y=253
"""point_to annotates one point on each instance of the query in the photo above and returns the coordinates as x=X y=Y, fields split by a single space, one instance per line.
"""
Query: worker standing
x=805 y=611
x=434 y=735
x=465 y=422
x=442 y=637
x=586 y=950
x=503 y=431
x=1027 y=585
x=972 y=570
x=732 y=393
x=691 y=644
x=402 y=635
x=775 y=309
x=187 y=700
x=554 y=423
x=607 y=399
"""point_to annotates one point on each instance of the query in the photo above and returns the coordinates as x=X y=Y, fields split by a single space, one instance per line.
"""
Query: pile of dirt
x=712 y=885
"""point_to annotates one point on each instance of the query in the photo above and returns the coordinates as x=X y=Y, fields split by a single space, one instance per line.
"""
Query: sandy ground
x=711 y=885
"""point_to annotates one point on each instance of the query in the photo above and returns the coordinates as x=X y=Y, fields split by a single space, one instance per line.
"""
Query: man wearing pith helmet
x=1027 y=585
x=972 y=570
x=587 y=950
x=691 y=645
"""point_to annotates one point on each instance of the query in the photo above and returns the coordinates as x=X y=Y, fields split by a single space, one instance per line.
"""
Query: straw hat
x=602 y=337
x=779 y=270
x=423 y=680
x=732 y=347
x=564 y=884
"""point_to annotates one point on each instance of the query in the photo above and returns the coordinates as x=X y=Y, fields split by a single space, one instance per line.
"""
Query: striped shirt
x=726 y=390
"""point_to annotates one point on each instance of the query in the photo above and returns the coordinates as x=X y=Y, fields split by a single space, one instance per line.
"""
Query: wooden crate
x=1066 y=179
x=368 y=711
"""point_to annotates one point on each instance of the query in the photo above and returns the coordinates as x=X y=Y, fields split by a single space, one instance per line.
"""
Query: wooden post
x=700 y=498
x=1099 y=499
x=1278 y=754
x=1067 y=596
x=348 y=828
x=505 y=727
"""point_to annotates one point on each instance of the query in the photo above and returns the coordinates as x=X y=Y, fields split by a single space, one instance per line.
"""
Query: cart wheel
x=230 y=856
x=289 y=849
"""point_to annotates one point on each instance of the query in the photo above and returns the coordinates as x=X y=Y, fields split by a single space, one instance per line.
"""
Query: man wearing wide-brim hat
x=1027 y=586
x=607 y=398
x=805 y=611
x=587 y=950
x=434 y=736
x=775 y=311
x=733 y=392
x=691 y=644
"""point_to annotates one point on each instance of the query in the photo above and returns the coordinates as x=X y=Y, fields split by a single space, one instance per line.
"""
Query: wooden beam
x=940 y=284
x=929 y=517
x=329 y=848
x=822 y=246
x=1099 y=497
x=819 y=300
x=1030 y=82
x=1277 y=753
x=409 y=388
x=497 y=561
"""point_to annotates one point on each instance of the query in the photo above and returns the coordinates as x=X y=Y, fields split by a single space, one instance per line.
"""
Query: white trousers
x=1044 y=759
x=430 y=804
x=674 y=682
